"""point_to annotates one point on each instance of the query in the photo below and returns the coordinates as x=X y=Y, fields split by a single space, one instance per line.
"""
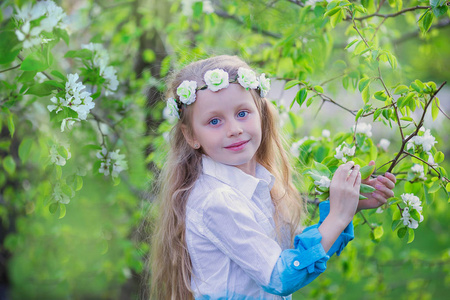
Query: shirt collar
x=237 y=178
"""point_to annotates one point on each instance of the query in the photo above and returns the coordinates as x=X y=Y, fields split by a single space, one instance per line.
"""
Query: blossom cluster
x=419 y=170
x=295 y=148
x=60 y=196
x=423 y=141
x=57 y=158
x=412 y=203
x=50 y=15
x=384 y=144
x=101 y=60
x=75 y=98
x=343 y=152
x=323 y=184
x=114 y=159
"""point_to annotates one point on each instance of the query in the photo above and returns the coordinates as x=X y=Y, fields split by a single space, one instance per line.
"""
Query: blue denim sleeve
x=297 y=267
x=346 y=236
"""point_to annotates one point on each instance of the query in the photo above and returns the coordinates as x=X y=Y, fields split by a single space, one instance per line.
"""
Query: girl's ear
x=190 y=139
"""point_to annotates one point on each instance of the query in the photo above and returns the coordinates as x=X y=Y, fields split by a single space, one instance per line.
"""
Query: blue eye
x=214 y=122
x=242 y=114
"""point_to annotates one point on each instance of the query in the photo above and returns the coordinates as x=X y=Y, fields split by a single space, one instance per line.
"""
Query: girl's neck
x=249 y=167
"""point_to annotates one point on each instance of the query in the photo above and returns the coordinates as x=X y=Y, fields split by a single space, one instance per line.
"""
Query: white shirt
x=231 y=238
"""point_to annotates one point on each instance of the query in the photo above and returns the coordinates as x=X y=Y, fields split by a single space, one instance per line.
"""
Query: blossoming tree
x=80 y=145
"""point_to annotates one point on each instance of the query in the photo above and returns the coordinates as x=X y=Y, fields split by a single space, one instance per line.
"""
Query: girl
x=229 y=218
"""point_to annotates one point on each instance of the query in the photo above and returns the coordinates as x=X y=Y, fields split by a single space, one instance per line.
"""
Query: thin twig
x=12 y=68
x=388 y=15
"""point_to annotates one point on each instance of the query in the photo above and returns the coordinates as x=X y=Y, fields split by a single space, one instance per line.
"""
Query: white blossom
x=343 y=152
x=363 y=128
x=59 y=196
x=68 y=123
x=384 y=144
x=408 y=220
x=326 y=133
x=186 y=91
x=58 y=104
x=431 y=160
x=426 y=141
x=118 y=162
x=56 y=158
x=412 y=200
x=418 y=169
x=25 y=35
x=324 y=182
x=216 y=79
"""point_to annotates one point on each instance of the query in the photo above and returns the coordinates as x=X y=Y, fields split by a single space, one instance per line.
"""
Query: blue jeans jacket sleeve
x=297 y=267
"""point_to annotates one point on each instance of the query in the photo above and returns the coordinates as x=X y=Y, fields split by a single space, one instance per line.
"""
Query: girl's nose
x=234 y=129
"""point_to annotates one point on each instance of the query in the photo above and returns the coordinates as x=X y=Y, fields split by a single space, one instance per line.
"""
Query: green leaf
x=414 y=214
x=34 y=62
x=378 y=232
x=25 y=149
x=58 y=74
x=9 y=164
x=318 y=88
x=197 y=9
x=336 y=18
x=332 y=12
x=377 y=113
x=395 y=224
x=435 y=108
x=363 y=83
x=53 y=207
x=361 y=197
x=366 y=171
x=291 y=84
x=41 y=89
x=323 y=170
x=410 y=235
x=439 y=157
x=27 y=76
x=351 y=43
x=401 y=89
x=55 y=84
x=360 y=111
x=62 y=33
x=79 y=183
x=440 y=10
x=366 y=95
x=301 y=96
x=62 y=210
x=427 y=20
x=66 y=189
x=364 y=188
x=380 y=95
x=401 y=232
x=11 y=126
x=448 y=187
x=416 y=87
x=396 y=215
x=8 y=51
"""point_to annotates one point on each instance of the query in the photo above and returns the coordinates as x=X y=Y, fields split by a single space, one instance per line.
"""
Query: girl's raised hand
x=344 y=192
x=383 y=185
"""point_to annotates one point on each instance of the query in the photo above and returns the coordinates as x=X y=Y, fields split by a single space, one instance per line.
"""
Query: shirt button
x=296 y=263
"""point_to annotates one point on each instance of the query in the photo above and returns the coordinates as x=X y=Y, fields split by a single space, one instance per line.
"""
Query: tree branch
x=12 y=68
x=388 y=15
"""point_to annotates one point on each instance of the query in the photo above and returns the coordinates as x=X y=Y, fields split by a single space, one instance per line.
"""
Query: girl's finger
x=388 y=193
x=386 y=181
x=353 y=174
x=358 y=180
x=379 y=198
x=391 y=177
x=342 y=172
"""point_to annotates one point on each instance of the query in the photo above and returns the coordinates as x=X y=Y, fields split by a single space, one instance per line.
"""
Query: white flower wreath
x=216 y=80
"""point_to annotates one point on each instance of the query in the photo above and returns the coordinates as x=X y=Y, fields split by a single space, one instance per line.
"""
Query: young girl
x=229 y=213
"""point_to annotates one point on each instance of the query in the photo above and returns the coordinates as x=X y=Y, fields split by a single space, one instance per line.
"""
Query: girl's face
x=227 y=125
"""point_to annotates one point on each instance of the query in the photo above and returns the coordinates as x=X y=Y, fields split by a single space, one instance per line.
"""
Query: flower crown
x=216 y=80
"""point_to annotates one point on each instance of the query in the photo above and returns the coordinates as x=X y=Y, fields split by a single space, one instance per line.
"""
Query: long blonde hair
x=170 y=262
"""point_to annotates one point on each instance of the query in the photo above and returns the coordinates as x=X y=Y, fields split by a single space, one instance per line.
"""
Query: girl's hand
x=383 y=185
x=344 y=192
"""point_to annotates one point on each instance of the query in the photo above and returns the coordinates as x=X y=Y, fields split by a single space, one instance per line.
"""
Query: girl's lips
x=237 y=146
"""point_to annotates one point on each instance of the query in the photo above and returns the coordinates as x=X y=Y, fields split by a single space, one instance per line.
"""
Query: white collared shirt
x=231 y=238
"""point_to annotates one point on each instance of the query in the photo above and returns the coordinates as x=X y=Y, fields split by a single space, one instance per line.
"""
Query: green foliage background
x=94 y=247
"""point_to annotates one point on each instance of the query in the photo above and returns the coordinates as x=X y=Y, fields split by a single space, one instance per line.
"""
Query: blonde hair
x=170 y=261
